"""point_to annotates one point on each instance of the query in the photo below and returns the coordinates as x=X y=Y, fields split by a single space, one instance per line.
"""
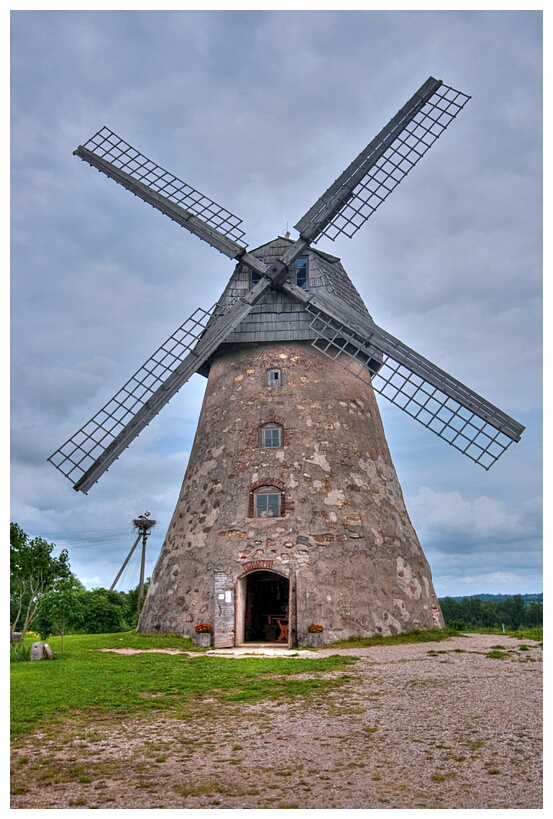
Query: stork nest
x=144 y=523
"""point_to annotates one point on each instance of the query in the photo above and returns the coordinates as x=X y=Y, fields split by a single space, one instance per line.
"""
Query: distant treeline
x=497 y=598
x=493 y=611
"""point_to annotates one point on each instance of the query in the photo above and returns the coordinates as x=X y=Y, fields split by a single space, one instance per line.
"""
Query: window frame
x=305 y=284
x=255 y=278
x=266 y=492
x=278 y=380
x=271 y=427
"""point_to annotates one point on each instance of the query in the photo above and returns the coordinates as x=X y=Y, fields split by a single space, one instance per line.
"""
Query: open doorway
x=266 y=608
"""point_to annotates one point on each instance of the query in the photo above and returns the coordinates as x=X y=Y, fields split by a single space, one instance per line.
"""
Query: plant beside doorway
x=204 y=628
x=203 y=634
x=315 y=635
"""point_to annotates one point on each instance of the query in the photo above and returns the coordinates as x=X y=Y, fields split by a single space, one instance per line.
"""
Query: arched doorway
x=266 y=606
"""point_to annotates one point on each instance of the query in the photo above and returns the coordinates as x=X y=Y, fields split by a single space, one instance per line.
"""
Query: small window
x=301 y=272
x=271 y=436
x=267 y=502
x=273 y=378
x=256 y=278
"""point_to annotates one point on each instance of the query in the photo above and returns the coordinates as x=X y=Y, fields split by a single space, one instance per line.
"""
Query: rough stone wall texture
x=345 y=533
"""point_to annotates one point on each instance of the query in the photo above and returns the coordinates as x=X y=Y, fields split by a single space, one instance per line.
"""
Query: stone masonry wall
x=344 y=530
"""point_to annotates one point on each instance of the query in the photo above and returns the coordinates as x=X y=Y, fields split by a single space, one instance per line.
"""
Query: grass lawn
x=85 y=679
x=94 y=729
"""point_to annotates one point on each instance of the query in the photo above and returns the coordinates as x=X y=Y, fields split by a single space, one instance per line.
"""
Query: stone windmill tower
x=290 y=511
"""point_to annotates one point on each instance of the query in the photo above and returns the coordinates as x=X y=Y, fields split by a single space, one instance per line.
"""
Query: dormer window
x=301 y=272
x=274 y=378
x=271 y=436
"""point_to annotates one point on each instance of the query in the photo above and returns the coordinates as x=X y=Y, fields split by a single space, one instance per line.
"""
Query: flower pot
x=203 y=639
x=315 y=640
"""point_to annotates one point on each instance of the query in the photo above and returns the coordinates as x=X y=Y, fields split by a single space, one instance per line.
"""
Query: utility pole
x=143 y=524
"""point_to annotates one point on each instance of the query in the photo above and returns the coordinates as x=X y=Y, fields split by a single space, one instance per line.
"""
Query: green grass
x=522 y=633
x=413 y=637
x=85 y=680
x=497 y=654
x=433 y=636
x=534 y=633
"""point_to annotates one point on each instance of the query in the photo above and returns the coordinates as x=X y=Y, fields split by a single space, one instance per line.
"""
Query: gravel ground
x=428 y=725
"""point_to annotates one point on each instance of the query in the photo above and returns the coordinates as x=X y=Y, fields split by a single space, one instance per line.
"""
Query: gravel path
x=427 y=725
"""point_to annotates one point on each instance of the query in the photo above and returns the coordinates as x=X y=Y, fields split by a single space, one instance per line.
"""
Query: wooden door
x=223 y=627
x=293 y=611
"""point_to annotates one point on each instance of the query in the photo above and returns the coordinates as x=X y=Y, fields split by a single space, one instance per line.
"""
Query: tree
x=513 y=611
x=33 y=571
x=60 y=608
x=104 y=612
x=134 y=605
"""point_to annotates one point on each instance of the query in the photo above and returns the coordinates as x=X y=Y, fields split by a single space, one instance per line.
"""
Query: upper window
x=267 y=502
x=255 y=278
x=271 y=436
x=274 y=378
x=301 y=272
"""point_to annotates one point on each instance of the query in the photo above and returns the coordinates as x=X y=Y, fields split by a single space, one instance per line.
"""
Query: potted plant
x=315 y=636
x=203 y=634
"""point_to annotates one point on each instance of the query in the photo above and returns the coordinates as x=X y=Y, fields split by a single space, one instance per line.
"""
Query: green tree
x=60 y=608
x=104 y=612
x=534 y=614
x=33 y=571
x=513 y=612
x=507 y=610
x=453 y=613
x=134 y=605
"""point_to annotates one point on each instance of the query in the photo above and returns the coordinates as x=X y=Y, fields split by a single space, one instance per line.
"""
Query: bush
x=19 y=653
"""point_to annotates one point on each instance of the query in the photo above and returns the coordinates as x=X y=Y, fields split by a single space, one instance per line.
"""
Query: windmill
x=290 y=510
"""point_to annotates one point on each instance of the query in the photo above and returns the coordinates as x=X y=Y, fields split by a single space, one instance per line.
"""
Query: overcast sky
x=262 y=111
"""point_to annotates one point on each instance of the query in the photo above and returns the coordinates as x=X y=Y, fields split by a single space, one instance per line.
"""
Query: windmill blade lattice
x=110 y=148
x=432 y=397
x=384 y=163
x=75 y=457
x=91 y=451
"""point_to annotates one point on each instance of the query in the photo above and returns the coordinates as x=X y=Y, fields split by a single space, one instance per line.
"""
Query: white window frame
x=268 y=439
x=274 y=377
x=266 y=493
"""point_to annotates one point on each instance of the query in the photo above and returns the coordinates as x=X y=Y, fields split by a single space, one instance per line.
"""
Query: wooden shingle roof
x=278 y=316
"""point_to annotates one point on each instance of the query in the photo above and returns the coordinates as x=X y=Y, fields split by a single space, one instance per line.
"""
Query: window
x=301 y=272
x=271 y=436
x=267 y=502
x=273 y=378
x=256 y=278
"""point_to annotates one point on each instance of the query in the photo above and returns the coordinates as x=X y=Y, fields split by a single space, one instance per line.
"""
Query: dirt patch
x=430 y=725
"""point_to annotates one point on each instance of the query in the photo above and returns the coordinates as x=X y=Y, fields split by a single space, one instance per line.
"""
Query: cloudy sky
x=261 y=111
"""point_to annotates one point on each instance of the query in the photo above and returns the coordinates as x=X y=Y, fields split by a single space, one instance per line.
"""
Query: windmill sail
x=428 y=394
x=116 y=154
x=384 y=163
x=85 y=456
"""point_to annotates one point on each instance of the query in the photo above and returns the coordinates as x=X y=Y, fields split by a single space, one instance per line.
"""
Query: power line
x=80 y=539
x=85 y=532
